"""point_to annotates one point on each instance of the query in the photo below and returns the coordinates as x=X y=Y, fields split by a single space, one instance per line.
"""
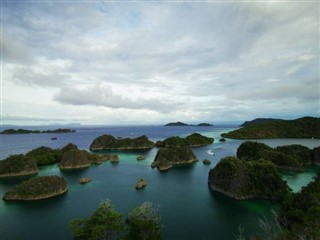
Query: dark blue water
x=188 y=208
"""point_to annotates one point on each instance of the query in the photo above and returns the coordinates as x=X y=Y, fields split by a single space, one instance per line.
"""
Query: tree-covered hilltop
x=300 y=213
x=38 y=188
x=176 y=124
x=307 y=127
x=193 y=140
x=45 y=155
x=259 y=121
x=291 y=157
x=25 y=131
x=18 y=165
x=110 y=142
x=247 y=179
x=169 y=157
x=141 y=223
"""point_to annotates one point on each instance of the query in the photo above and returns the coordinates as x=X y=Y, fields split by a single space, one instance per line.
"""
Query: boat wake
x=210 y=152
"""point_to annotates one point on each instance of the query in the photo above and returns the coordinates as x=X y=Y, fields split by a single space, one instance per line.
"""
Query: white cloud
x=165 y=60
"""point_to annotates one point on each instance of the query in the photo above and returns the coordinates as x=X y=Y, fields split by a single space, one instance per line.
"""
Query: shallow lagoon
x=189 y=209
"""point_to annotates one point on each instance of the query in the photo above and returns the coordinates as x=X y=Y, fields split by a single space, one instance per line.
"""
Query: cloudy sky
x=99 y=62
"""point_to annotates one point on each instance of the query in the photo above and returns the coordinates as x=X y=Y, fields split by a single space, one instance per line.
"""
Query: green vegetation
x=176 y=124
x=298 y=218
x=45 y=155
x=247 y=179
x=38 y=188
x=73 y=159
x=291 y=157
x=307 y=127
x=204 y=125
x=193 y=140
x=110 y=142
x=169 y=157
x=18 y=165
x=25 y=131
x=142 y=223
x=259 y=121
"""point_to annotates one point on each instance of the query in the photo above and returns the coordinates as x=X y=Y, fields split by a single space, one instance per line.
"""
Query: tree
x=104 y=224
x=143 y=223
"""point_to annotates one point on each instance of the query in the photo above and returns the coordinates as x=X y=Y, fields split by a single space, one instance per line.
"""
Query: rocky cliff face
x=247 y=180
x=109 y=142
x=38 y=188
x=169 y=157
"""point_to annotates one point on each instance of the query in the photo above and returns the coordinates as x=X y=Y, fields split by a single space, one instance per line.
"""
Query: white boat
x=210 y=152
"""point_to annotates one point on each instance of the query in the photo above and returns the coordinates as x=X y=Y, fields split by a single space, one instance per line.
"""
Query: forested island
x=68 y=157
x=108 y=142
x=306 y=127
x=289 y=157
x=25 y=131
x=38 y=188
x=193 y=140
x=168 y=157
x=247 y=179
x=181 y=124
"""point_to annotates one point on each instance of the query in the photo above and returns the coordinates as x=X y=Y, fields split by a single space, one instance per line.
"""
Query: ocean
x=188 y=208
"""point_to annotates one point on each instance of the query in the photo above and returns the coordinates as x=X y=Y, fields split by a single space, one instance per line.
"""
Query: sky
x=154 y=62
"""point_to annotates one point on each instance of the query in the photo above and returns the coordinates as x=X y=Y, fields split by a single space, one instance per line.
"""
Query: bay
x=188 y=208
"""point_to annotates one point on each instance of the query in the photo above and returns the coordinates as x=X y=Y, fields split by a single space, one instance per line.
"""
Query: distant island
x=185 y=124
x=193 y=140
x=25 y=131
x=306 y=127
x=169 y=157
x=108 y=142
x=247 y=179
x=38 y=188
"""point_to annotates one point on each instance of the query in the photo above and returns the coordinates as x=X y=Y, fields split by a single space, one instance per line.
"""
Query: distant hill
x=185 y=124
x=25 y=131
x=176 y=124
x=306 y=127
x=259 y=121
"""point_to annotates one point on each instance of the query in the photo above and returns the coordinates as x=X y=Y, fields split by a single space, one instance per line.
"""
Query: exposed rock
x=18 y=165
x=38 y=188
x=85 y=180
x=247 y=179
x=140 y=158
x=75 y=159
x=206 y=162
x=110 y=142
x=170 y=157
x=141 y=184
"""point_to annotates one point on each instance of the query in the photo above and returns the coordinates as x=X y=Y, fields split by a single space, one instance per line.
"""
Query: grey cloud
x=104 y=96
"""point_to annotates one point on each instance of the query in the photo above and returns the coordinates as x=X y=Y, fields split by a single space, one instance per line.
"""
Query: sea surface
x=188 y=208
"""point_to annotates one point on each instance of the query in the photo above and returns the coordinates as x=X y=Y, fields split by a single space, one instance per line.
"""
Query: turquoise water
x=188 y=208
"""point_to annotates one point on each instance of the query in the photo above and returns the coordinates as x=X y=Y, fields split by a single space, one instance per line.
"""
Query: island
x=84 y=180
x=109 y=142
x=45 y=155
x=75 y=159
x=290 y=157
x=306 y=127
x=167 y=158
x=18 y=165
x=193 y=140
x=38 y=188
x=247 y=179
x=179 y=124
x=25 y=131
x=259 y=121
x=140 y=184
